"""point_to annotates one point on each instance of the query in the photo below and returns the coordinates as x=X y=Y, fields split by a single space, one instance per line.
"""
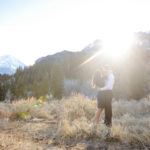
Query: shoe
x=108 y=137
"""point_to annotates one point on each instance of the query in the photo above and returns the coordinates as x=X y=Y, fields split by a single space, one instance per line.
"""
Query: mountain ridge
x=60 y=56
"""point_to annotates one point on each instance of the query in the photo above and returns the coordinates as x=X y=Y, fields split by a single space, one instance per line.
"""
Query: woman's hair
x=97 y=79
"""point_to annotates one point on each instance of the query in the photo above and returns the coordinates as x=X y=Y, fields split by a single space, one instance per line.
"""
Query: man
x=104 y=97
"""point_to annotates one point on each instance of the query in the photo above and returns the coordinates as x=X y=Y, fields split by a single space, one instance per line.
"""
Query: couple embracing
x=103 y=80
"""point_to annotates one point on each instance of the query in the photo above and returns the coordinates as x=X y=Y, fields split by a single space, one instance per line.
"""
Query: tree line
x=47 y=76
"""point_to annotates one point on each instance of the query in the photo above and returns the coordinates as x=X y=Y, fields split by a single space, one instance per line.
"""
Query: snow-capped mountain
x=9 y=64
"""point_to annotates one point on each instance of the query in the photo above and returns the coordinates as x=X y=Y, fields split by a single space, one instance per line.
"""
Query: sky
x=30 y=29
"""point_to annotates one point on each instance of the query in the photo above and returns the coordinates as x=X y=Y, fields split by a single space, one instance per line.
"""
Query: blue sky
x=30 y=29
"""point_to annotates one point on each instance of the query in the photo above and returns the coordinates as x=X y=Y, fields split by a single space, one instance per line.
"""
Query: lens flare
x=91 y=58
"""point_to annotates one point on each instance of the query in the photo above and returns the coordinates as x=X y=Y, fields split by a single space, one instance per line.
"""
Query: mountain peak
x=9 y=64
x=94 y=46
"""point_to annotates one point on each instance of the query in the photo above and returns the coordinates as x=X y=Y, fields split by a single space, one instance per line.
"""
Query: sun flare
x=117 y=46
x=114 y=47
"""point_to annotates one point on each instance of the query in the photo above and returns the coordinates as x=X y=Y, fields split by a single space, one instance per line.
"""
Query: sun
x=118 y=45
x=115 y=47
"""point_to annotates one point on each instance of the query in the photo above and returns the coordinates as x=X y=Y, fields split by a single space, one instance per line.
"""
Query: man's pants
x=104 y=100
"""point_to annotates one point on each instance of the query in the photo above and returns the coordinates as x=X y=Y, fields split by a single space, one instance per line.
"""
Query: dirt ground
x=39 y=135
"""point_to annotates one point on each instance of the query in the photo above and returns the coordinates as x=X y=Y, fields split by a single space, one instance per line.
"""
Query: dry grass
x=70 y=119
x=11 y=142
x=24 y=110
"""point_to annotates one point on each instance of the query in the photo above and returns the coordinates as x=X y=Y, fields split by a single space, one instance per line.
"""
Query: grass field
x=66 y=124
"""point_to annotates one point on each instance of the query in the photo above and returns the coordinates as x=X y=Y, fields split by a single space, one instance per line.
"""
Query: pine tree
x=57 y=82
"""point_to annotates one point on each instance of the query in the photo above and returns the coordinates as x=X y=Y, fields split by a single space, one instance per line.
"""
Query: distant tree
x=57 y=81
x=2 y=95
x=131 y=74
x=13 y=89
x=4 y=86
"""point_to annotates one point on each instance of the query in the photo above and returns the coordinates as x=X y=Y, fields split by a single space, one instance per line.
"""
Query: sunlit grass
x=72 y=118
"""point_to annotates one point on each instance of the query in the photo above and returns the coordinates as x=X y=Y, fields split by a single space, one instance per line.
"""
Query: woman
x=104 y=82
